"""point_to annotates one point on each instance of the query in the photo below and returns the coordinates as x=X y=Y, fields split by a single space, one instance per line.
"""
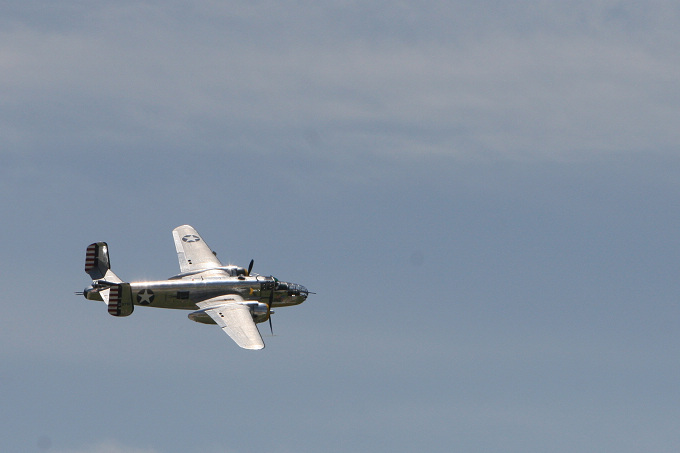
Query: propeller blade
x=269 y=309
x=250 y=266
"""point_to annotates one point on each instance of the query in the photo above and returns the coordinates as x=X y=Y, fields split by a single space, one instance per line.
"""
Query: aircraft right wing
x=235 y=319
x=192 y=251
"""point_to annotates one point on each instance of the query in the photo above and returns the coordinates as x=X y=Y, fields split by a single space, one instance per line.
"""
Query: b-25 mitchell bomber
x=232 y=297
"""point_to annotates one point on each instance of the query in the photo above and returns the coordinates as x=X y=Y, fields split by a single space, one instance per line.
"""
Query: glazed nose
x=293 y=289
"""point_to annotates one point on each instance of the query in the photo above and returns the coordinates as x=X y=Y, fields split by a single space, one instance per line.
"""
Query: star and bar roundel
x=145 y=297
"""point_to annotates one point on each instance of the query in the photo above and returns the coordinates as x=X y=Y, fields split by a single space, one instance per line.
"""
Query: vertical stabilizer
x=97 y=263
x=120 y=300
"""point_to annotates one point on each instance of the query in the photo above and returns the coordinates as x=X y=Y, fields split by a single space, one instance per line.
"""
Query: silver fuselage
x=184 y=293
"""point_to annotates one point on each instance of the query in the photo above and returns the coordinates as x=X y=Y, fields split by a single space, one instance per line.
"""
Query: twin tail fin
x=109 y=288
x=97 y=263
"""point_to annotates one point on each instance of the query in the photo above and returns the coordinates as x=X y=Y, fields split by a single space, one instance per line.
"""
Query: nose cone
x=297 y=290
x=295 y=294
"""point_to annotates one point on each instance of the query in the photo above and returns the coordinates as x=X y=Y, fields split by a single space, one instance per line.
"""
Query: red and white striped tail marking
x=114 y=300
x=91 y=257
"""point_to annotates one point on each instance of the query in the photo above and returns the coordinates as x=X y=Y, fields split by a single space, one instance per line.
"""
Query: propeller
x=269 y=308
x=271 y=298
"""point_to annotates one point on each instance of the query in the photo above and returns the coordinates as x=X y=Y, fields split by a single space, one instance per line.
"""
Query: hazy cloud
x=108 y=446
x=538 y=81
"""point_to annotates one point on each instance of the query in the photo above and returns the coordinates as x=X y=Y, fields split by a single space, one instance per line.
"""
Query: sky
x=483 y=196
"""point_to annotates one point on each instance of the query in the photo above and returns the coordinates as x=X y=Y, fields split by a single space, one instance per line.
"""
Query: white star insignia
x=145 y=297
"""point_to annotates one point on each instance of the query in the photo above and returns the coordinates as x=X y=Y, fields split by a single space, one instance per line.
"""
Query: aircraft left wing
x=192 y=251
x=235 y=319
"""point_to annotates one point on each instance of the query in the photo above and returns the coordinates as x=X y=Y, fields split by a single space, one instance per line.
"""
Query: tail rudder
x=118 y=299
x=106 y=285
x=97 y=263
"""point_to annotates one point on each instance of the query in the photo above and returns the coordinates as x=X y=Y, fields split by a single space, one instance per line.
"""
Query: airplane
x=234 y=298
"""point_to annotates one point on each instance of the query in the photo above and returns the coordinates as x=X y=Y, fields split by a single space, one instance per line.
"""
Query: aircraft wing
x=192 y=251
x=235 y=319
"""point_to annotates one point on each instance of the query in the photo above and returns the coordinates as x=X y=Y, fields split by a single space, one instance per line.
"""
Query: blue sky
x=483 y=196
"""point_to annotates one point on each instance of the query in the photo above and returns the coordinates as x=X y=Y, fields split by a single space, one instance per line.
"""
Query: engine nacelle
x=258 y=310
